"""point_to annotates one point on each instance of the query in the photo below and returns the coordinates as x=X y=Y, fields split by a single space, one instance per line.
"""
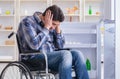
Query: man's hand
x=48 y=19
x=58 y=29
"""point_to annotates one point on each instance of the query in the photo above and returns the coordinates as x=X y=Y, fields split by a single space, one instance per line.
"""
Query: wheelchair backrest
x=20 y=48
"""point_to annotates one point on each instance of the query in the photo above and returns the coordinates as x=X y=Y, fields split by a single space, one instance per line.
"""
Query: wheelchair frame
x=23 y=68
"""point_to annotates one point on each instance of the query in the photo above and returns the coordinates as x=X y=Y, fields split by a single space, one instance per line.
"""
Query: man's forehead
x=56 y=22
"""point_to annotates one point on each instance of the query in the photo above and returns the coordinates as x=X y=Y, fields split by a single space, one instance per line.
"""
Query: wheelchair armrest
x=62 y=49
x=29 y=52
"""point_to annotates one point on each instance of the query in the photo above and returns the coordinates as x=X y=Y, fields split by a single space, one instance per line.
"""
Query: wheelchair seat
x=34 y=66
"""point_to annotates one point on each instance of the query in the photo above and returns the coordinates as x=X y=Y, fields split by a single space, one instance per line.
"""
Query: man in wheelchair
x=42 y=32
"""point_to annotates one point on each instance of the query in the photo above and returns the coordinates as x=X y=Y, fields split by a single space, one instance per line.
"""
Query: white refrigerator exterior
x=117 y=39
x=109 y=50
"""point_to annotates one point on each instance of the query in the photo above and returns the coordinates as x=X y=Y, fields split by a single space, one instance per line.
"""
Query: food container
x=8 y=28
x=9 y=42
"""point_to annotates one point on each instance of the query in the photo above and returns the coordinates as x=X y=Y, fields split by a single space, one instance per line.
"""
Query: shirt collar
x=37 y=17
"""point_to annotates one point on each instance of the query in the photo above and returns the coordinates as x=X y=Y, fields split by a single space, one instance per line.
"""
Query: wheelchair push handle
x=11 y=34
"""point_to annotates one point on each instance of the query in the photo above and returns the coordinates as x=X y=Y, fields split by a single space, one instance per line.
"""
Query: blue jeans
x=62 y=62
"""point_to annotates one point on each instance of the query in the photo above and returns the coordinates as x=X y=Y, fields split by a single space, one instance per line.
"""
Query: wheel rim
x=15 y=71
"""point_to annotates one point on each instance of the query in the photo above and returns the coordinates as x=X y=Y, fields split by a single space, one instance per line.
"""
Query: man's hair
x=57 y=13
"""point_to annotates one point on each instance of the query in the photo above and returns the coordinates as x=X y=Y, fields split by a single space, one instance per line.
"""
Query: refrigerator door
x=109 y=50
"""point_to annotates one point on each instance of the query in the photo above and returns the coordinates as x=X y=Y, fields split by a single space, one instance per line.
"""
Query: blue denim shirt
x=33 y=35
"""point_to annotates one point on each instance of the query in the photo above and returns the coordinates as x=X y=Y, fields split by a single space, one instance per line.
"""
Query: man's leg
x=61 y=61
x=79 y=65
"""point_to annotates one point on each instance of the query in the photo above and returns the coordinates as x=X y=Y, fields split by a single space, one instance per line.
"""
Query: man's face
x=55 y=24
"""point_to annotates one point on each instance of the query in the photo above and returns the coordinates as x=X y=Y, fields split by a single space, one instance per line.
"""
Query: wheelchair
x=23 y=70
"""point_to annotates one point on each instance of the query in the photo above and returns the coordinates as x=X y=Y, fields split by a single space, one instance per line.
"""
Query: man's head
x=56 y=14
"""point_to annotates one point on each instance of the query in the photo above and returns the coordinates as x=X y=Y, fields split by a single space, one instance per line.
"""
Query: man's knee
x=79 y=54
x=66 y=53
x=66 y=57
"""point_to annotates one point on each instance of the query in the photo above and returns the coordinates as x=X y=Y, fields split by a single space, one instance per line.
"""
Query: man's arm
x=33 y=39
x=59 y=40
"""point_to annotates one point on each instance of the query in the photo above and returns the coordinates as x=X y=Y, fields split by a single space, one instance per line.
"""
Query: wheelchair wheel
x=16 y=70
